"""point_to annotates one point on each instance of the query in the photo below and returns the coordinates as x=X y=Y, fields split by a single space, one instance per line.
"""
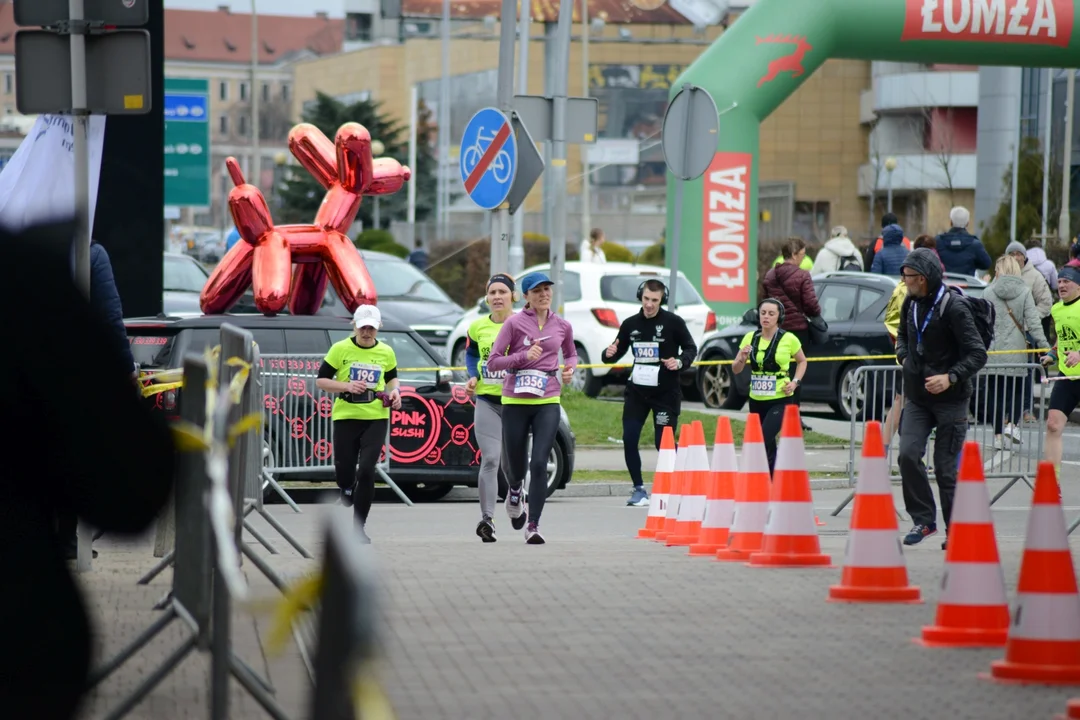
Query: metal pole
x=586 y=179
x=676 y=224
x=889 y=202
x=442 y=211
x=499 y=255
x=1064 y=231
x=558 y=150
x=80 y=121
x=1015 y=166
x=256 y=162
x=516 y=256
x=1049 y=125
x=414 y=100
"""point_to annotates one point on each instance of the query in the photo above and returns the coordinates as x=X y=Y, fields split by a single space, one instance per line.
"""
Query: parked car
x=183 y=278
x=853 y=304
x=597 y=297
x=404 y=292
x=432 y=436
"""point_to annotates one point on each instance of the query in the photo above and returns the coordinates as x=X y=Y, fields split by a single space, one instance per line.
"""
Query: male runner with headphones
x=662 y=346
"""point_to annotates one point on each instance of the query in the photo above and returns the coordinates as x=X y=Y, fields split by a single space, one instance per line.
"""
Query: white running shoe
x=515 y=508
x=533 y=536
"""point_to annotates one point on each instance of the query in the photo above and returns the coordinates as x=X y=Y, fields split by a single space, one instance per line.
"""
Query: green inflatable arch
x=775 y=46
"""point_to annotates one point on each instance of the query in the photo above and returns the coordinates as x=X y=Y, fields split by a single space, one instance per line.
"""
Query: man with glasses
x=940 y=350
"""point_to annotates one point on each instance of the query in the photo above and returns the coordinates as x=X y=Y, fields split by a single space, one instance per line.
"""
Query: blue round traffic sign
x=488 y=158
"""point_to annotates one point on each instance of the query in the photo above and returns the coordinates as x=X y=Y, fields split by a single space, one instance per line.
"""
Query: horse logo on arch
x=786 y=63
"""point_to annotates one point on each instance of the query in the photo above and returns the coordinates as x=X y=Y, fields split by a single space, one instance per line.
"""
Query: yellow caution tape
x=370 y=701
x=300 y=597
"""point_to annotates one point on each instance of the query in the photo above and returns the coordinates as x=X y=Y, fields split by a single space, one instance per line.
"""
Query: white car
x=597 y=297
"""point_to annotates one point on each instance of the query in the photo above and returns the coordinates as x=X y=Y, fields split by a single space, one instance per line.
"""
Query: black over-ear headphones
x=779 y=305
x=641 y=290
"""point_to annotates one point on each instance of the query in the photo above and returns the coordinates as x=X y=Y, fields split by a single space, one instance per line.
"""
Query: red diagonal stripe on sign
x=489 y=155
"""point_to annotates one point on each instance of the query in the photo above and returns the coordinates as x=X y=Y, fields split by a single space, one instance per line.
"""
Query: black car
x=853 y=304
x=404 y=292
x=432 y=438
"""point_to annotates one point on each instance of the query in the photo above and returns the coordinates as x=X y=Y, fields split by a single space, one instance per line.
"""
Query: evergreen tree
x=1028 y=201
x=300 y=194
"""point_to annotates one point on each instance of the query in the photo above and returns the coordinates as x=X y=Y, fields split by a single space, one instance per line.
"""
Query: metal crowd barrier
x=874 y=390
x=210 y=492
x=298 y=430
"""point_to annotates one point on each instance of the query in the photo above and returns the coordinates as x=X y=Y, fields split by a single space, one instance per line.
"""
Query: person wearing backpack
x=839 y=253
x=941 y=344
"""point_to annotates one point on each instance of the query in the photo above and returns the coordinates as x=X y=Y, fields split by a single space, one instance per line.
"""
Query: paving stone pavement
x=596 y=624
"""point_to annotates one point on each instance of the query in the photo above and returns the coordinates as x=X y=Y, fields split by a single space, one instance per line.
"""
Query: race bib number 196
x=532 y=382
x=369 y=374
x=763 y=384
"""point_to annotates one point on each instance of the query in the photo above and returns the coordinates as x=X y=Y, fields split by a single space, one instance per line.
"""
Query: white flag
x=38 y=183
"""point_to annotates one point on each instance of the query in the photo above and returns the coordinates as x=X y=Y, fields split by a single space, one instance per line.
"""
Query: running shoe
x=638 y=498
x=347 y=498
x=920 y=533
x=485 y=530
x=1013 y=433
x=515 y=508
x=533 y=536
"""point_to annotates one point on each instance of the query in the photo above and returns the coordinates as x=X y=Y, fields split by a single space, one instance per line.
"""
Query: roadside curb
x=622 y=489
x=844 y=446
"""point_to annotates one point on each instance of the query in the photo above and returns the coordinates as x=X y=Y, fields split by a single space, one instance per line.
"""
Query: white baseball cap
x=367 y=316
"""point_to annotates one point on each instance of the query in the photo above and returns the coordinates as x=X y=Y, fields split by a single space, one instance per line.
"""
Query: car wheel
x=850 y=393
x=426 y=492
x=556 y=467
x=583 y=379
x=717 y=388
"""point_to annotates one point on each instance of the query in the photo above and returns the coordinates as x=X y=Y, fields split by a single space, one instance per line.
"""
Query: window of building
x=285 y=91
x=266 y=92
x=243 y=91
x=223 y=124
x=811 y=220
x=9 y=83
x=242 y=126
x=358 y=26
x=223 y=90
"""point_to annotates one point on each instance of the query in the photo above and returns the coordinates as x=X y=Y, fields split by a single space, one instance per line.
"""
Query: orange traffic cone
x=1044 y=639
x=1072 y=711
x=675 y=489
x=972 y=610
x=692 y=510
x=790 y=538
x=751 y=496
x=665 y=466
x=720 y=499
x=874 y=569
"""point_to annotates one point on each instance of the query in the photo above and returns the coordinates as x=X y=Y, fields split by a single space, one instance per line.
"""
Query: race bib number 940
x=369 y=374
x=763 y=384
x=532 y=382
x=646 y=352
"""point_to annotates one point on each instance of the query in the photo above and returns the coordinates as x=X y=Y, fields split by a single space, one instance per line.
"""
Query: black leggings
x=358 y=441
x=517 y=421
x=771 y=414
x=636 y=411
x=1002 y=398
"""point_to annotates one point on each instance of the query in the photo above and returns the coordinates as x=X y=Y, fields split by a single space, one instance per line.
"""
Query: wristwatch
x=797 y=381
x=953 y=379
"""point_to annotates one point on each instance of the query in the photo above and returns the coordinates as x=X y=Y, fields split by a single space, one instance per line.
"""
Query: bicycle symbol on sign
x=500 y=166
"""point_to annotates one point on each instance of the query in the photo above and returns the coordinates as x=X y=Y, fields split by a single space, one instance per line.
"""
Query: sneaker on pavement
x=515 y=508
x=533 y=536
x=1013 y=433
x=347 y=498
x=638 y=498
x=485 y=530
x=919 y=533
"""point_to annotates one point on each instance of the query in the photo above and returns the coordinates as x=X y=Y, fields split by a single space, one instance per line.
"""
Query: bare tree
x=939 y=140
x=875 y=167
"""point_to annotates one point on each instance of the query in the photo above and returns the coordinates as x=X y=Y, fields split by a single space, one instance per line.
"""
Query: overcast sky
x=336 y=8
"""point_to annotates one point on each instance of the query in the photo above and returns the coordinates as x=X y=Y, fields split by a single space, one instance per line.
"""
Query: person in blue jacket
x=961 y=251
x=888 y=260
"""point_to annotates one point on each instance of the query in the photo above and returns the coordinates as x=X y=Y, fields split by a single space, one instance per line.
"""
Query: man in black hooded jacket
x=941 y=351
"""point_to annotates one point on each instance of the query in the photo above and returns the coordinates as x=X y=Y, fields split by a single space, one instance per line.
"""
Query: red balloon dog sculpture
x=264 y=256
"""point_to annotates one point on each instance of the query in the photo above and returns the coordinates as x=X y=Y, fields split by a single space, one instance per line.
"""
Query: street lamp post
x=890 y=165
x=377 y=149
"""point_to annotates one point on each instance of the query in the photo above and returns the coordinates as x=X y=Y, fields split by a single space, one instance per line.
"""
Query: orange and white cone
x=692 y=510
x=720 y=498
x=675 y=489
x=751 y=496
x=874 y=569
x=972 y=608
x=665 y=466
x=790 y=538
x=1072 y=711
x=1044 y=639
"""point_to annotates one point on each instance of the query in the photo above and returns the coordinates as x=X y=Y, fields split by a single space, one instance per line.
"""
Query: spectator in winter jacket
x=961 y=251
x=928 y=242
x=839 y=253
x=1037 y=257
x=105 y=300
x=1036 y=283
x=888 y=260
x=875 y=247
